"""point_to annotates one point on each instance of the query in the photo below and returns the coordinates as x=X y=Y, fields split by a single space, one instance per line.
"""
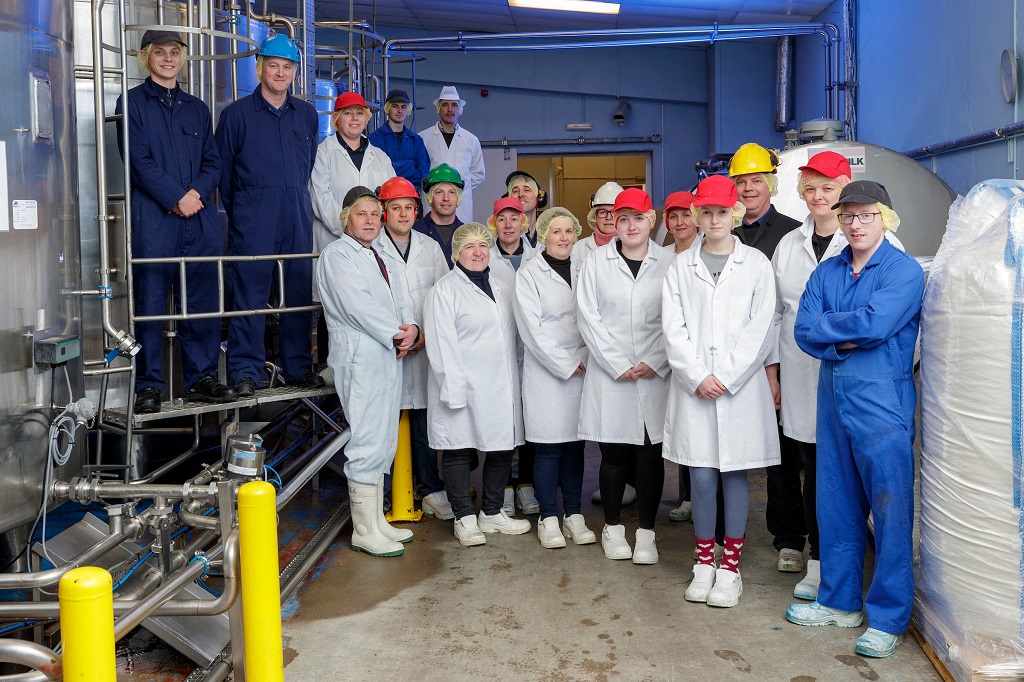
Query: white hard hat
x=605 y=195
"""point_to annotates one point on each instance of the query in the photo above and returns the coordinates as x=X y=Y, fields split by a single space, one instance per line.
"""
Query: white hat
x=449 y=93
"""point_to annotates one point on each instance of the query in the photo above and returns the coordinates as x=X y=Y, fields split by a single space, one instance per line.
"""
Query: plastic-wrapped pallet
x=969 y=573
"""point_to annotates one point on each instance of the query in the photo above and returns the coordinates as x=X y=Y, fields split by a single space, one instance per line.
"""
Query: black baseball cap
x=161 y=37
x=355 y=194
x=863 y=192
x=399 y=96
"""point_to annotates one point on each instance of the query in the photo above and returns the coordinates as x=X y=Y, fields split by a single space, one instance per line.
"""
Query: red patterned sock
x=731 y=554
x=705 y=551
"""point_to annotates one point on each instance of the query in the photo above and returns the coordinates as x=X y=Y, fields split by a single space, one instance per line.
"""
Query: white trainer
x=684 y=512
x=575 y=528
x=468 y=533
x=700 y=586
x=727 y=590
x=548 y=533
x=509 y=505
x=437 y=504
x=527 y=500
x=808 y=587
x=790 y=561
x=501 y=523
x=645 y=552
x=628 y=495
x=613 y=540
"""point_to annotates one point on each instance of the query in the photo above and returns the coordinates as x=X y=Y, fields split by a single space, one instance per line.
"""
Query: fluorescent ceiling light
x=590 y=6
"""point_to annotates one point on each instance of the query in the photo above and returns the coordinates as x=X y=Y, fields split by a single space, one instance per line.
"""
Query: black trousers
x=617 y=463
x=784 y=513
x=457 y=465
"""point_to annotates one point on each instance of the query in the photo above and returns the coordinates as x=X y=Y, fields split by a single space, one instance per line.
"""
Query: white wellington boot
x=366 y=534
x=402 y=535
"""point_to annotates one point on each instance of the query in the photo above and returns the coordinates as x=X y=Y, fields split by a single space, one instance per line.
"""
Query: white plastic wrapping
x=969 y=571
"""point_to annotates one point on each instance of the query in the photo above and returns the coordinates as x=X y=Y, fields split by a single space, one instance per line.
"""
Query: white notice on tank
x=25 y=214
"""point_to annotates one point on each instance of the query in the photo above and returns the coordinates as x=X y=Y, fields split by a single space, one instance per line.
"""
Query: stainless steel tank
x=39 y=244
x=139 y=12
x=919 y=196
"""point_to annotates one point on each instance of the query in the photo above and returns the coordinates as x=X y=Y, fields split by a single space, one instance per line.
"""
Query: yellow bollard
x=261 y=587
x=87 y=625
x=403 y=507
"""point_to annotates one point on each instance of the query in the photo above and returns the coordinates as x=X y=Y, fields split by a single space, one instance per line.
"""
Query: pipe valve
x=126 y=345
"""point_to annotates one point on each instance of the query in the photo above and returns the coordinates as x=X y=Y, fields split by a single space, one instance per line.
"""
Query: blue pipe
x=1004 y=133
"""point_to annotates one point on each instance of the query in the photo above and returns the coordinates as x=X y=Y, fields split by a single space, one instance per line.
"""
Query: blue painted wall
x=928 y=71
x=743 y=95
x=532 y=95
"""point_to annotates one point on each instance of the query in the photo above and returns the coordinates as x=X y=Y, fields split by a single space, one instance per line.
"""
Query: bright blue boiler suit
x=408 y=154
x=865 y=432
x=268 y=156
x=172 y=150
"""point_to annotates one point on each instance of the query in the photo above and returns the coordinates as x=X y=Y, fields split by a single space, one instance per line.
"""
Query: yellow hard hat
x=753 y=158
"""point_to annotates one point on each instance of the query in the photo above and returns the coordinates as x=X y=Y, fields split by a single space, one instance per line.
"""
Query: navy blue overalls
x=172 y=150
x=268 y=156
x=865 y=432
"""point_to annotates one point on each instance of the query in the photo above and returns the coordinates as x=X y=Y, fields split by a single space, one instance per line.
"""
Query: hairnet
x=522 y=180
x=772 y=180
x=890 y=220
x=345 y=212
x=469 y=234
x=337 y=114
x=545 y=219
x=810 y=175
x=143 y=56
x=429 y=196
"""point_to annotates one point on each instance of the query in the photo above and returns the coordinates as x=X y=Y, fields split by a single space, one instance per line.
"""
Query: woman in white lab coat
x=625 y=388
x=820 y=183
x=334 y=173
x=473 y=397
x=372 y=327
x=553 y=367
x=718 y=304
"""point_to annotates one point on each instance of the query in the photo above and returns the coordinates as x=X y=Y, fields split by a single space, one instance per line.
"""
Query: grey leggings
x=704 y=492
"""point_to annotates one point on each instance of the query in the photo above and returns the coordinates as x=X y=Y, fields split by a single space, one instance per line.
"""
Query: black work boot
x=308 y=381
x=147 y=401
x=244 y=388
x=209 y=390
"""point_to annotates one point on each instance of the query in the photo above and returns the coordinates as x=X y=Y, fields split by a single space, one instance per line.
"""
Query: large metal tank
x=919 y=196
x=39 y=246
x=140 y=12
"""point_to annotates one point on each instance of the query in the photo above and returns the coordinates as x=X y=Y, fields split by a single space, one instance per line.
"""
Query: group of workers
x=752 y=341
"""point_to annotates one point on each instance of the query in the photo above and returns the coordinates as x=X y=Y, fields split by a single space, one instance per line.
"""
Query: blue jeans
x=424 y=457
x=558 y=464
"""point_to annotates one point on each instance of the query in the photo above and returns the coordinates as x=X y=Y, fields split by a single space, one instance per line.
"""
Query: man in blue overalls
x=174 y=168
x=859 y=314
x=268 y=144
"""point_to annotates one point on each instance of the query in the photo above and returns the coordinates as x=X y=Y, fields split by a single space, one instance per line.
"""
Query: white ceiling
x=495 y=16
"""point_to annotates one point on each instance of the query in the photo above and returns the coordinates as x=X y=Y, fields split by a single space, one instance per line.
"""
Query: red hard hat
x=507 y=202
x=349 y=99
x=634 y=198
x=397 y=188
x=678 y=200
x=716 y=190
x=829 y=164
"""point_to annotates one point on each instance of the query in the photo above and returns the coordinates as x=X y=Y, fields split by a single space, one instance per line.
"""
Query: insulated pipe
x=261 y=587
x=131 y=529
x=1004 y=133
x=87 y=625
x=44 y=661
x=783 y=83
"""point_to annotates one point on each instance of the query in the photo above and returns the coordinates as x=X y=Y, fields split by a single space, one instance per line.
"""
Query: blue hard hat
x=280 y=45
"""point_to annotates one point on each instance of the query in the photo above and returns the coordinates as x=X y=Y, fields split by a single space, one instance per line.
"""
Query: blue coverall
x=865 y=431
x=408 y=156
x=172 y=150
x=268 y=156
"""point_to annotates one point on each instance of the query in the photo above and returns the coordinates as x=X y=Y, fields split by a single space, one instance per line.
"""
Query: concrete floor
x=512 y=610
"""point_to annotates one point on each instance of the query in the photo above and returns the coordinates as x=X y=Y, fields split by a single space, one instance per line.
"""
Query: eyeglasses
x=865 y=218
x=602 y=213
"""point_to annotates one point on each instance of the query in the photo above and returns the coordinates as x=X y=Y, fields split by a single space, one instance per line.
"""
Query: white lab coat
x=724 y=330
x=473 y=398
x=793 y=264
x=363 y=315
x=465 y=156
x=583 y=248
x=620 y=320
x=426 y=265
x=333 y=176
x=545 y=309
